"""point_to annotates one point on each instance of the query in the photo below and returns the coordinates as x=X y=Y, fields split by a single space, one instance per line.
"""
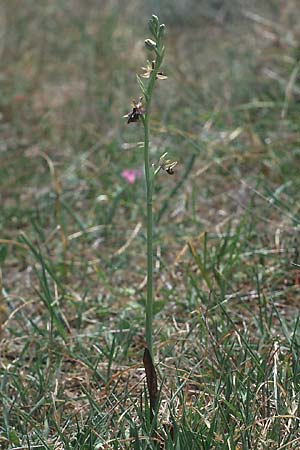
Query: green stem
x=149 y=194
x=149 y=301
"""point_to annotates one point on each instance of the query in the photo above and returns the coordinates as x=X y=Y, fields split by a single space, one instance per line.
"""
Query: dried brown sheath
x=151 y=381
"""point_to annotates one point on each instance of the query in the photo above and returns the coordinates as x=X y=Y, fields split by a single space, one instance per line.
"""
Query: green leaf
x=142 y=86
x=13 y=438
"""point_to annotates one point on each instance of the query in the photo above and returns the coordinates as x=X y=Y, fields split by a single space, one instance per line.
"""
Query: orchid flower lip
x=137 y=111
x=167 y=164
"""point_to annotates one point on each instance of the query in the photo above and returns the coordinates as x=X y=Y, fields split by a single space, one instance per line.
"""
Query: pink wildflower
x=131 y=175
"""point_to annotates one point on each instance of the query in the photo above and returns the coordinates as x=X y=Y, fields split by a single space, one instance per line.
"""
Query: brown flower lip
x=137 y=111
x=170 y=171
x=167 y=165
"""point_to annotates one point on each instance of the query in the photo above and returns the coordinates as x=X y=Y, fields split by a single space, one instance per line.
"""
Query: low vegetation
x=73 y=227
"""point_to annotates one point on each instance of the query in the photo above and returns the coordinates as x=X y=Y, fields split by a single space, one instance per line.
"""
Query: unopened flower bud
x=154 y=25
x=162 y=29
x=150 y=44
x=155 y=19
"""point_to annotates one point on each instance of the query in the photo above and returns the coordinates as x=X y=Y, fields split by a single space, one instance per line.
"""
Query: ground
x=72 y=241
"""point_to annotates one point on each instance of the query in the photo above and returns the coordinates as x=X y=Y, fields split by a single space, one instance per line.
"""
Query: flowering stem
x=149 y=182
x=149 y=194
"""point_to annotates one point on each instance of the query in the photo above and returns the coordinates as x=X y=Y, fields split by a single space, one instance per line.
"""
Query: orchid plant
x=141 y=111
